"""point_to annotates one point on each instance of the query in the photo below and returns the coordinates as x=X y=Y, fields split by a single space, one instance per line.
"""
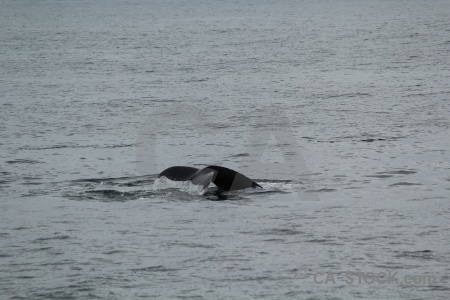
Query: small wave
x=372 y=140
x=403 y=172
x=107 y=189
x=324 y=190
x=23 y=161
x=282 y=231
x=58 y=237
x=75 y=146
x=20 y=228
x=190 y=245
x=318 y=240
x=25 y=277
x=388 y=174
x=110 y=252
x=347 y=95
x=404 y=183
x=279 y=186
x=120 y=181
x=153 y=269
x=421 y=254
x=357 y=138
x=109 y=195
x=240 y=155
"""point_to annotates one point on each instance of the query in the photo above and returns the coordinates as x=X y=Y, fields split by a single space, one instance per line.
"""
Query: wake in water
x=163 y=183
x=150 y=187
x=213 y=193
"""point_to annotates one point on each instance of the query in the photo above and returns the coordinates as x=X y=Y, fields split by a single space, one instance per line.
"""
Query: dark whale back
x=225 y=179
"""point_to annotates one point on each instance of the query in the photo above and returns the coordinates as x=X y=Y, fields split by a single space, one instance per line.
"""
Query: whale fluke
x=225 y=179
x=178 y=173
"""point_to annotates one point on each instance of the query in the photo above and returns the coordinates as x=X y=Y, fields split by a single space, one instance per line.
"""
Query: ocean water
x=339 y=109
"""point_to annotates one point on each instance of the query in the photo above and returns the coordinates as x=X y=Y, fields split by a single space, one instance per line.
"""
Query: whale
x=225 y=179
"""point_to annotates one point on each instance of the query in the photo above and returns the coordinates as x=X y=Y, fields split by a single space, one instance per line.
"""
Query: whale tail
x=225 y=179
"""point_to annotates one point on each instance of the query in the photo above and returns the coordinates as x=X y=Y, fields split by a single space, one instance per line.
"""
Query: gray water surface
x=362 y=87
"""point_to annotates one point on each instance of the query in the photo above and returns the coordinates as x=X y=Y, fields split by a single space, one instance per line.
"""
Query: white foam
x=163 y=183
